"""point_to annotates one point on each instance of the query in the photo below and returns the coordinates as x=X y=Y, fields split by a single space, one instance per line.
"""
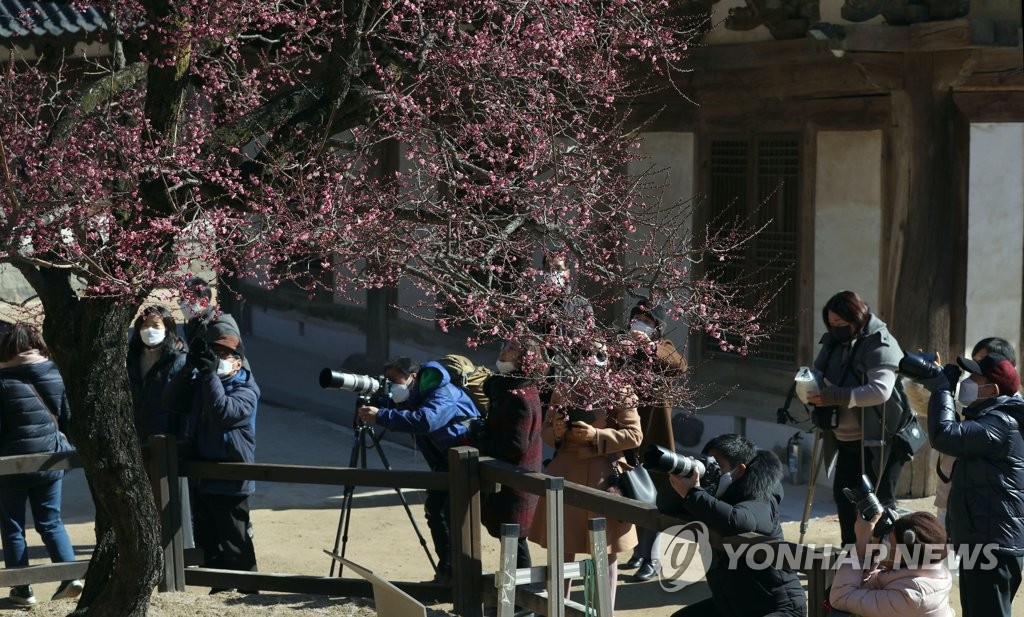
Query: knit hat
x=922 y=528
x=997 y=368
x=231 y=343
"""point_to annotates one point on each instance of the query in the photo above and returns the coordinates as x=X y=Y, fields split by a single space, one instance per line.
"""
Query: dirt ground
x=295 y=523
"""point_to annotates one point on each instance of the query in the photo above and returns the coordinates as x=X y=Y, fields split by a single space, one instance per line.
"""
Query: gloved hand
x=203 y=358
x=945 y=380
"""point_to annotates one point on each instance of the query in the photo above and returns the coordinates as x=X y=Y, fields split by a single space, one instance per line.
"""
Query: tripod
x=364 y=438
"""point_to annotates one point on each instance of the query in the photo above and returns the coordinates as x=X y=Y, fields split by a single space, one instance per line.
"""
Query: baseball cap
x=997 y=368
x=231 y=343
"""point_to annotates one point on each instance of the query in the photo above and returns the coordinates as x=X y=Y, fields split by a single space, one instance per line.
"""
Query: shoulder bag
x=636 y=483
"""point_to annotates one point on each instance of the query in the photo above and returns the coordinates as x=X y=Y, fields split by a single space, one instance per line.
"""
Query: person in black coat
x=512 y=435
x=746 y=499
x=33 y=407
x=986 y=502
x=155 y=355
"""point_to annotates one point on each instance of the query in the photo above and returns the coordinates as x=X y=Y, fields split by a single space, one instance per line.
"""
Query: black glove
x=204 y=359
x=945 y=380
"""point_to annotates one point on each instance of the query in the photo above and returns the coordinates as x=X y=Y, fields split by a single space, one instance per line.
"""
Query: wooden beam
x=942 y=35
x=991 y=106
x=840 y=77
x=43 y=573
x=757 y=55
x=321 y=585
x=306 y=474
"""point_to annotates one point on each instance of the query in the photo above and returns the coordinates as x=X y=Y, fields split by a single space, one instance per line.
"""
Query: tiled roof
x=20 y=19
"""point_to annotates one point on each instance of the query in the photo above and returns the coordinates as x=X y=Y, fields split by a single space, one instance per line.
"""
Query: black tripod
x=365 y=438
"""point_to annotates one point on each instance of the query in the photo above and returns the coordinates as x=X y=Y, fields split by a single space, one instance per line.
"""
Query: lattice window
x=757 y=180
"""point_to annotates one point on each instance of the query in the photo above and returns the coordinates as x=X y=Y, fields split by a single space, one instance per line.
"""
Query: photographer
x=219 y=400
x=657 y=354
x=438 y=413
x=986 y=505
x=859 y=402
x=746 y=499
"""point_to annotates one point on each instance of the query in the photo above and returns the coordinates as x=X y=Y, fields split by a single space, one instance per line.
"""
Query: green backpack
x=470 y=378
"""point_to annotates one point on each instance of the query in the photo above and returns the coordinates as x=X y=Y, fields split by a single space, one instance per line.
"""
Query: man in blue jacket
x=986 y=504
x=438 y=413
x=219 y=399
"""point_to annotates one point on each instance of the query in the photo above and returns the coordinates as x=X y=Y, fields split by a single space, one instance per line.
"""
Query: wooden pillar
x=555 y=524
x=467 y=568
x=163 y=475
x=925 y=263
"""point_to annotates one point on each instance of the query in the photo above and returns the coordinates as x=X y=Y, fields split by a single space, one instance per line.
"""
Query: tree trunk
x=88 y=339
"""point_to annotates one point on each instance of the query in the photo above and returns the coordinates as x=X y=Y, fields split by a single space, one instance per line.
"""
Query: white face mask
x=152 y=336
x=639 y=326
x=399 y=392
x=723 y=483
x=190 y=310
x=224 y=367
x=505 y=367
x=968 y=392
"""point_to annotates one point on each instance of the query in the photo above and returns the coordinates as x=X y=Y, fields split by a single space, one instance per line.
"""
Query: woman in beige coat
x=586 y=453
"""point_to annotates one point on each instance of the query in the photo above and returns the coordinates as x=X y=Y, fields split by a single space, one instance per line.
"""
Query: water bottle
x=806 y=384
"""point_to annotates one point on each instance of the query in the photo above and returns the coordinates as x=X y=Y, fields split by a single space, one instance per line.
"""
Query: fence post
x=467 y=568
x=554 y=523
x=163 y=475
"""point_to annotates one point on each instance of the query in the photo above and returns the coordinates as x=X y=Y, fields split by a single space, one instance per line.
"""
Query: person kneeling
x=746 y=499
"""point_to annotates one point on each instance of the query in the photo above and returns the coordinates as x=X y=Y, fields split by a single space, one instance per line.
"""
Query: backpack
x=469 y=378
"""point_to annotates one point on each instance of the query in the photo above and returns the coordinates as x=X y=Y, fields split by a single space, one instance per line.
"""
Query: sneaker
x=22 y=595
x=68 y=589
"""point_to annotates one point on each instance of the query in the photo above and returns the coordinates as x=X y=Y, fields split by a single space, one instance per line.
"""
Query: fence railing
x=468 y=474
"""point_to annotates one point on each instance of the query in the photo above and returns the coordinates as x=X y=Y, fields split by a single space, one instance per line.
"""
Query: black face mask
x=841 y=334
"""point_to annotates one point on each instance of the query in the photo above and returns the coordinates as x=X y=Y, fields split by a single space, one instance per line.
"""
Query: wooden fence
x=467 y=476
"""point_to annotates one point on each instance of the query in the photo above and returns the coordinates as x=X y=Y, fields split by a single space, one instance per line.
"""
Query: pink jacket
x=921 y=592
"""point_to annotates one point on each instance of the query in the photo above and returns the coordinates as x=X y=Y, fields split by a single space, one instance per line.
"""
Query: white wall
x=995 y=248
x=669 y=159
x=847 y=217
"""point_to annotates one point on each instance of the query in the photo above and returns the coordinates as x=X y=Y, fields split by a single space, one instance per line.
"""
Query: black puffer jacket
x=750 y=504
x=151 y=417
x=986 y=495
x=26 y=425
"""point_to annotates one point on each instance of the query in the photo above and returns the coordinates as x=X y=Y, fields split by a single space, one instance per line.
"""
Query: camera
x=662 y=459
x=360 y=384
x=919 y=366
x=868 y=506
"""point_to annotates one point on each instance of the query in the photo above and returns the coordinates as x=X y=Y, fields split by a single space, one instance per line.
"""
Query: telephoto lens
x=868 y=507
x=662 y=459
x=360 y=384
x=919 y=366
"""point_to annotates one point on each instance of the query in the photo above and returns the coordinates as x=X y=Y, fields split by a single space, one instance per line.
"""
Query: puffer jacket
x=911 y=592
x=750 y=504
x=26 y=424
x=438 y=415
x=151 y=417
x=221 y=424
x=986 y=495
